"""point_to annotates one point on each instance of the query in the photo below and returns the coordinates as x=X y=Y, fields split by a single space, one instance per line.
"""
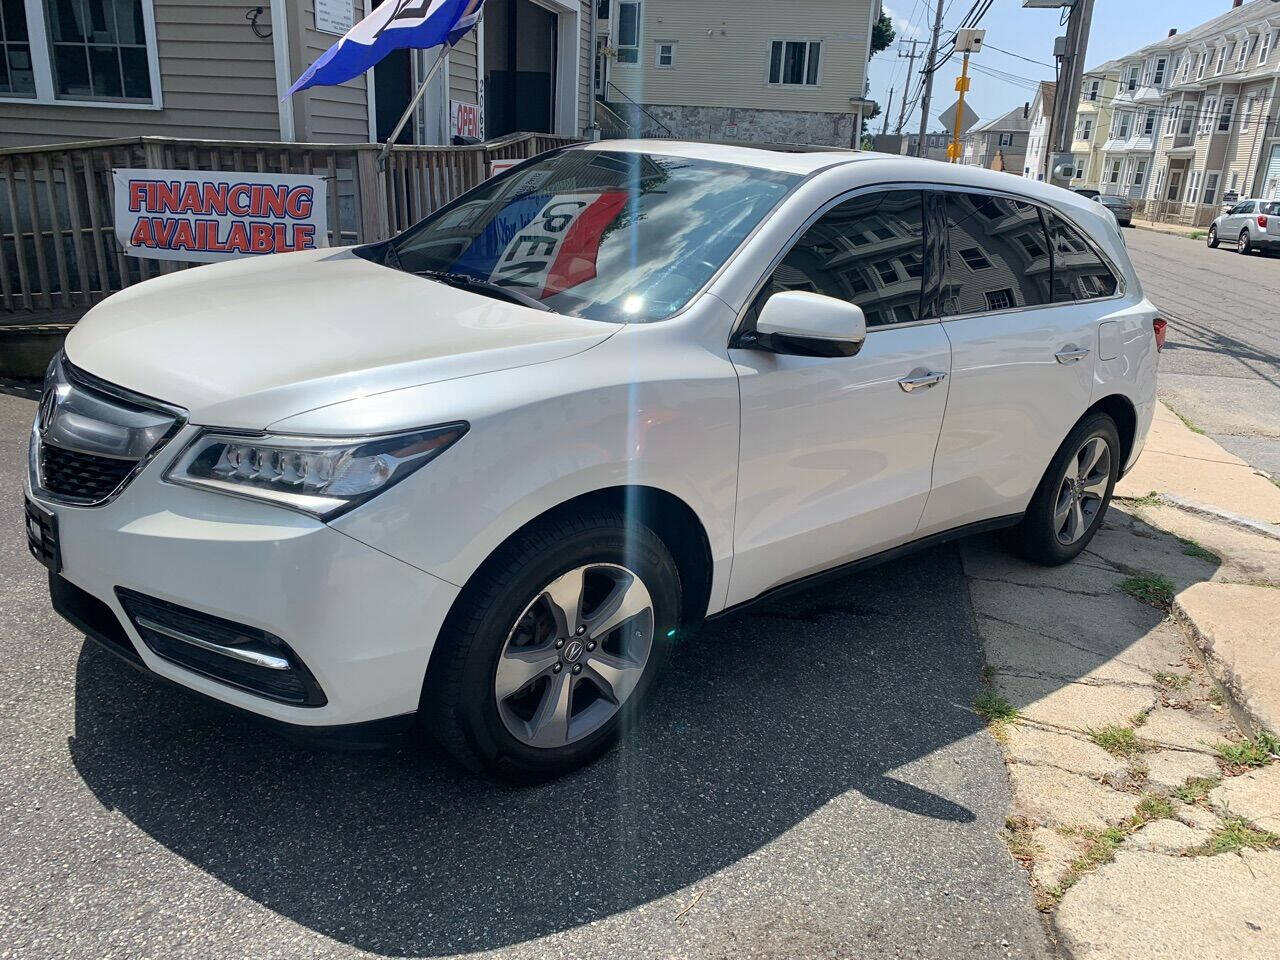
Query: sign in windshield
x=610 y=236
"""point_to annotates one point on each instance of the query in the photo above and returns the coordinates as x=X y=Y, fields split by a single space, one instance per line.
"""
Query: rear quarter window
x=1078 y=272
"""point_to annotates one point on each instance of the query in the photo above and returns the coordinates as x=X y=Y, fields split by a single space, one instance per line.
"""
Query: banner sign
x=201 y=217
x=549 y=242
x=464 y=119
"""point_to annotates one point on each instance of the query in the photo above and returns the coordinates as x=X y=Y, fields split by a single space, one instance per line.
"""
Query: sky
x=1119 y=27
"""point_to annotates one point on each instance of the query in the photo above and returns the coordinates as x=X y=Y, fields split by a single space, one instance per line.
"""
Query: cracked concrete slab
x=1131 y=545
x=1020 y=651
x=1151 y=905
x=1055 y=853
x=1246 y=555
x=1074 y=706
x=1051 y=796
x=1254 y=796
x=1034 y=745
x=1181 y=728
x=1166 y=836
x=1170 y=769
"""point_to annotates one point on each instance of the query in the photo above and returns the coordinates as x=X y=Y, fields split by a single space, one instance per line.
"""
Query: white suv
x=483 y=473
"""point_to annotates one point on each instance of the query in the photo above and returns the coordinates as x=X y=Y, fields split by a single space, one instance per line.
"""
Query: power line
x=1010 y=53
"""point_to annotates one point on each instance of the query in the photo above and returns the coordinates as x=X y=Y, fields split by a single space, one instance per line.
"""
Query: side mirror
x=811 y=325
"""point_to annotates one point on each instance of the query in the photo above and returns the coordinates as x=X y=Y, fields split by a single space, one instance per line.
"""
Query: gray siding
x=324 y=114
x=217 y=79
x=462 y=71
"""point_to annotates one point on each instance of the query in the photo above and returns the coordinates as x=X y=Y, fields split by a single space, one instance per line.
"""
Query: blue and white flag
x=394 y=25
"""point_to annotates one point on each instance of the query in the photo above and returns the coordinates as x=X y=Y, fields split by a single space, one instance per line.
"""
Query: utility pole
x=911 y=69
x=884 y=128
x=1066 y=96
x=928 y=78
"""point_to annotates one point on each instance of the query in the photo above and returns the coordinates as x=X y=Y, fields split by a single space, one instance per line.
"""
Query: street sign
x=967 y=118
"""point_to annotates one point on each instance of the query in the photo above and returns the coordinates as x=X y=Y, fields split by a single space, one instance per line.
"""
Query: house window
x=1247 y=118
x=1132 y=82
x=1113 y=175
x=1222 y=58
x=974 y=258
x=1173 y=118
x=1006 y=139
x=16 y=75
x=1243 y=54
x=602 y=9
x=1139 y=173
x=629 y=32
x=999 y=299
x=1186 y=70
x=95 y=52
x=1092 y=93
x=1079 y=169
x=1187 y=119
x=1211 y=188
x=1235 y=180
x=1224 y=118
x=1202 y=64
x=1264 y=48
x=794 y=62
x=1157 y=78
x=1149 y=125
x=1210 y=111
x=664 y=57
x=1122 y=126
x=1086 y=129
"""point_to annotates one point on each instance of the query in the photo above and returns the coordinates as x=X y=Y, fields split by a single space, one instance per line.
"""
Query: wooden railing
x=58 y=251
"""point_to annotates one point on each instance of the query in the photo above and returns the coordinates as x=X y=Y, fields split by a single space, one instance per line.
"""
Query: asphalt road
x=809 y=783
x=1221 y=364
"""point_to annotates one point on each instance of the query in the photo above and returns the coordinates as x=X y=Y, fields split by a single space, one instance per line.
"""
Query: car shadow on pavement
x=763 y=718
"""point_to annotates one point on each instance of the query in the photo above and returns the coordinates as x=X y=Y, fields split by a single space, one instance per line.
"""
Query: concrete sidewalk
x=1176 y=229
x=1132 y=694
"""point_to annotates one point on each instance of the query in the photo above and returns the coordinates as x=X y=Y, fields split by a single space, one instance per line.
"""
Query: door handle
x=1071 y=353
x=920 y=377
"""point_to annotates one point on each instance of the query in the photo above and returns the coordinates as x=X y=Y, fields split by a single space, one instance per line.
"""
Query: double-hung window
x=664 y=56
x=1243 y=55
x=1264 y=48
x=1149 y=124
x=629 y=31
x=1210 y=111
x=1202 y=64
x=1173 y=119
x=1157 y=77
x=1247 y=117
x=1123 y=126
x=1224 y=118
x=1139 y=173
x=85 y=52
x=1092 y=93
x=795 y=62
x=1222 y=59
x=1132 y=82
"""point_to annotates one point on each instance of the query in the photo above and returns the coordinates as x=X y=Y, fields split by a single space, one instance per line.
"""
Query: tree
x=882 y=34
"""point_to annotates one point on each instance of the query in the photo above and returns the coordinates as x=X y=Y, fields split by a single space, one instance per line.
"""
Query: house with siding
x=1039 y=122
x=1093 y=123
x=999 y=144
x=93 y=69
x=738 y=69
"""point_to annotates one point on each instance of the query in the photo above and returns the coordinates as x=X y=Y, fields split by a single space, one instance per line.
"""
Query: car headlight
x=321 y=476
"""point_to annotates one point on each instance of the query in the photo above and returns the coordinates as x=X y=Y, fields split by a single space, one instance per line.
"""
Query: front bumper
x=363 y=623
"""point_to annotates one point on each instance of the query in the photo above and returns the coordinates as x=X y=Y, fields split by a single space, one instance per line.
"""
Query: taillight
x=1262 y=222
x=1161 y=327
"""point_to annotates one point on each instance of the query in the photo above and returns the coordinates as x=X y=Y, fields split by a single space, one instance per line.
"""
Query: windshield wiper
x=467 y=282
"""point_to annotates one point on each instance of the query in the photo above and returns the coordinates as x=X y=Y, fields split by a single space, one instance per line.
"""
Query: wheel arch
x=1121 y=410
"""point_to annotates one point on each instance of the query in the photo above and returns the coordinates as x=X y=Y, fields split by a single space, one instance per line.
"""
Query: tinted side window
x=1078 y=272
x=868 y=251
x=998 y=256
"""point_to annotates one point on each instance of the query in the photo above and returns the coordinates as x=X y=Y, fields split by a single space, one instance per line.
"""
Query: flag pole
x=413 y=104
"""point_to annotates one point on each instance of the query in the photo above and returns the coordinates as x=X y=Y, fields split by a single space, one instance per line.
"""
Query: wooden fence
x=58 y=251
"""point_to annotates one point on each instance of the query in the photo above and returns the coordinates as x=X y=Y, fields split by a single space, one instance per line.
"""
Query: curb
x=1271 y=530
x=1171 y=233
x=1236 y=690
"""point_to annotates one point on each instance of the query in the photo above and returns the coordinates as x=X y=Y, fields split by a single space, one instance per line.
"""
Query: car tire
x=1063 y=515
x=476 y=700
x=1244 y=245
x=1212 y=239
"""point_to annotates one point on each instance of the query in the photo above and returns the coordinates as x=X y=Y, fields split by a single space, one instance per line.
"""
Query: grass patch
x=1151 y=807
x=1150 y=588
x=1192 y=549
x=1256 y=752
x=1238 y=834
x=1173 y=681
x=1117 y=741
x=1150 y=500
x=1196 y=789
x=1100 y=848
x=1196 y=235
x=994 y=708
x=1216 y=697
x=1187 y=423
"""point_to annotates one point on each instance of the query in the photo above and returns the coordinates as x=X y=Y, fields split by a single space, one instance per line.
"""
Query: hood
x=249 y=342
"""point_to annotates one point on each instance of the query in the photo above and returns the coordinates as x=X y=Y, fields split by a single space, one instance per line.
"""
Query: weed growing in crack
x=1256 y=752
x=1236 y=834
x=1192 y=549
x=1187 y=423
x=1117 y=741
x=993 y=708
x=1173 y=681
x=1150 y=588
x=1151 y=807
x=1196 y=789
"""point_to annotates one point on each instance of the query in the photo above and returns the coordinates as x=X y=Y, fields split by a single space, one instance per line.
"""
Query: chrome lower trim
x=235 y=653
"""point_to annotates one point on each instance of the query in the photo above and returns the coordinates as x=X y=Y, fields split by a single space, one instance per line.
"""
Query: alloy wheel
x=1213 y=236
x=1082 y=490
x=1243 y=243
x=575 y=655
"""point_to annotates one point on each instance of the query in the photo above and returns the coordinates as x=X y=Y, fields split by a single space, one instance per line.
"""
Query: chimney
x=1236 y=3
x=1172 y=31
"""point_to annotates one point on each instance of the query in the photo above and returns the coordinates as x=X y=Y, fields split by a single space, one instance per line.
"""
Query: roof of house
x=1044 y=97
x=1234 y=18
x=1014 y=121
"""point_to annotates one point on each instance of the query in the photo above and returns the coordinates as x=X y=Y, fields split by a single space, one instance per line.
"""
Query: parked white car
x=1249 y=225
x=483 y=473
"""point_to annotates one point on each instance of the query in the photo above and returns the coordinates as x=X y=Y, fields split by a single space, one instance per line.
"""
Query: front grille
x=222 y=650
x=81 y=476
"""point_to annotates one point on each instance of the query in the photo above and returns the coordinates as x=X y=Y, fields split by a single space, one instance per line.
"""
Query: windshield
x=1115 y=201
x=1269 y=208
x=627 y=237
